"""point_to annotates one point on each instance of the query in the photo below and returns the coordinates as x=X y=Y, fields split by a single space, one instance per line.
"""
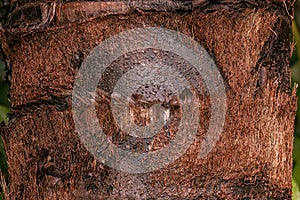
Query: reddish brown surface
x=253 y=157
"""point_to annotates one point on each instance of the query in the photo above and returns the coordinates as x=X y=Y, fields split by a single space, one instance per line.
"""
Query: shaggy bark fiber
x=250 y=44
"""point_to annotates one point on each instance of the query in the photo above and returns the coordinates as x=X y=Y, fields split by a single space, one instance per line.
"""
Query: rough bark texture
x=250 y=44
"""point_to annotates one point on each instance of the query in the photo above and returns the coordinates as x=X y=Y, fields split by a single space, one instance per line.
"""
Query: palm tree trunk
x=248 y=45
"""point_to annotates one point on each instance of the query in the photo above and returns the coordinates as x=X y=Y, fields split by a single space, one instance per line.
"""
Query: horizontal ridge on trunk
x=38 y=16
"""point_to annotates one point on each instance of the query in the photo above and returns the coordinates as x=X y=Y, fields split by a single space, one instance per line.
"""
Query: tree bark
x=45 y=45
